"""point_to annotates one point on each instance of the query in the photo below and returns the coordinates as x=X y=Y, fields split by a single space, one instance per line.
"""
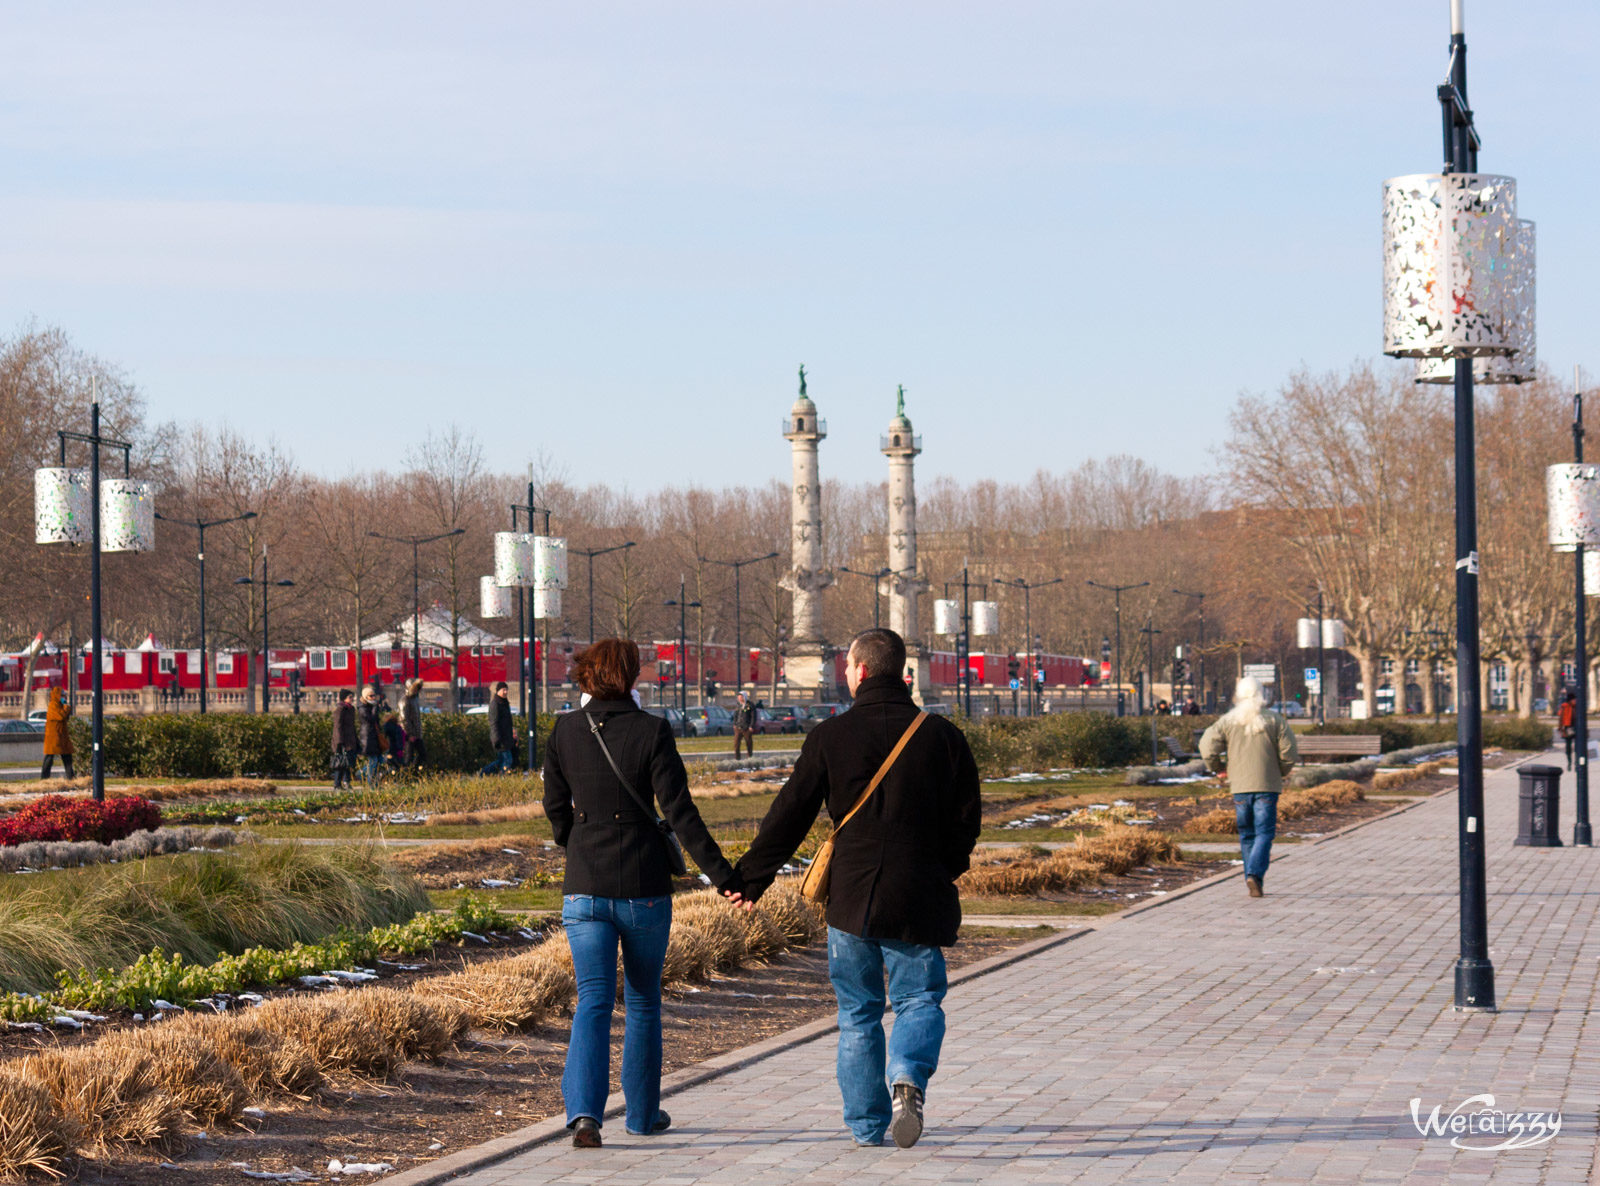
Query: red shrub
x=59 y=817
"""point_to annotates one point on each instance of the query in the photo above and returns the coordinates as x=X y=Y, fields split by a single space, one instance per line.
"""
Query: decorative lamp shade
x=549 y=563
x=1305 y=633
x=1572 y=492
x=127 y=515
x=1591 y=573
x=946 y=617
x=513 y=558
x=546 y=603
x=493 y=601
x=985 y=617
x=1332 y=633
x=1523 y=365
x=61 y=506
x=1450 y=264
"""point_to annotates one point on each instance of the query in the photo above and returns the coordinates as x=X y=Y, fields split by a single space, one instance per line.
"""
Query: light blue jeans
x=595 y=927
x=915 y=975
x=1257 y=817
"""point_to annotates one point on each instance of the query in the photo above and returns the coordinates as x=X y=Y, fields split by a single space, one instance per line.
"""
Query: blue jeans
x=1257 y=817
x=594 y=928
x=369 y=772
x=505 y=759
x=916 y=983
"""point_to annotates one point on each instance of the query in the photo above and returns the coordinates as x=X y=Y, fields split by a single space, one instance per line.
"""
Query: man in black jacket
x=502 y=735
x=893 y=903
x=744 y=725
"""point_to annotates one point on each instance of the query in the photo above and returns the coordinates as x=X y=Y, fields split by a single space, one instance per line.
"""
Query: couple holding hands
x=908 y=785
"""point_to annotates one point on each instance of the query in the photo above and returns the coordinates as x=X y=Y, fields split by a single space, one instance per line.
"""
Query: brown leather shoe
x=1253 y=884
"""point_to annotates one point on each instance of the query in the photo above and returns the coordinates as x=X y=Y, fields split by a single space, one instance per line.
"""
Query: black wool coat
x=613 y=848
x=500 y=728
x=371 y=729
x=896 y=862
x=344 y=727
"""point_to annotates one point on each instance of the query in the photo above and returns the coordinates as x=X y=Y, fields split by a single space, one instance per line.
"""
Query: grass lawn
x=522 y=899
x=354 y=832
x=1029 y=905
x=723 y=746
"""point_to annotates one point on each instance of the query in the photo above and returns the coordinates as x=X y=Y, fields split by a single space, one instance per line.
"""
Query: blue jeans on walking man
x=867 y=1067
x=1257 y=817
x=595 y=927
x=504 y=760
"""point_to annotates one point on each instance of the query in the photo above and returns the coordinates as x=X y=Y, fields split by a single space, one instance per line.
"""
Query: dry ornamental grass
x=1292 y=805
x=1015 y=872
x=35 y=1137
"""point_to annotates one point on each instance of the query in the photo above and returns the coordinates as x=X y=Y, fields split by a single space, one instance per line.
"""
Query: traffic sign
x=1262 y=673
x=1313 y=675
x=1015 y=684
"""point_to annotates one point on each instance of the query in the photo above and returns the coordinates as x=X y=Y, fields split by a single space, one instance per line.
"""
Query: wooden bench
x=1178 y=753
x=1346 y=747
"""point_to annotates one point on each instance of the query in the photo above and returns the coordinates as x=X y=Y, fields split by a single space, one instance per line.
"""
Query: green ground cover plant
x=198 y=905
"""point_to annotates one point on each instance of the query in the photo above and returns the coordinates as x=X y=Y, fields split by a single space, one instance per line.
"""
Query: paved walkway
x=1213 y=1038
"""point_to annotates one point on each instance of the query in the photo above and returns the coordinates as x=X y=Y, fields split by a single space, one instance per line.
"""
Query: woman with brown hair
x=606 y=767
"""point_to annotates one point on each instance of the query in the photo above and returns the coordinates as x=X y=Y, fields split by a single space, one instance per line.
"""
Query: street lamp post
x=416 y=542
x=877 y=586
x=684 y=606
x=200 y=525
x=1582 y=833
x=1149 y=631
x=590 y=554
x=738 y=617
x=527 y=637
x=1118 y=591
x=266 y=653
x=1027 y=627
x=1200 y=646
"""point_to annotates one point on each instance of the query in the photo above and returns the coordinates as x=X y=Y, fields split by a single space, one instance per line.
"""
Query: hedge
x=1518 y=733
x=1070 y=739
x=277 y=745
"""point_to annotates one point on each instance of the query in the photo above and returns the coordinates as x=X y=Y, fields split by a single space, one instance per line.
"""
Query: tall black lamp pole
x=591 y=553
x=1582 y=834
x=1027 y=628
x=684 y=606
x=266 y=653
x=1200 y=647
x=1118 y=590
x=738 y=617
x=200 y=525
x=416 y=542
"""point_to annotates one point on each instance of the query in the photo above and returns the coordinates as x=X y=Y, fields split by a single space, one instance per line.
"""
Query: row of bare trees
x=1338 y=483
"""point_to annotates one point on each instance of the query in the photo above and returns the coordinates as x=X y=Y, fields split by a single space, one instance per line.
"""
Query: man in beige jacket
x=1252 y=749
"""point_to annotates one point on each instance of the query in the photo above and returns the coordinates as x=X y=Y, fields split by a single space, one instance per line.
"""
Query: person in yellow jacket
x=57 y=737
x=1252 y=748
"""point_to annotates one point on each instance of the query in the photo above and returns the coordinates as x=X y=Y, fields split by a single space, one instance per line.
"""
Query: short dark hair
x=608 y=669
x=882 y=651
x=346 y=694
x=501 y=686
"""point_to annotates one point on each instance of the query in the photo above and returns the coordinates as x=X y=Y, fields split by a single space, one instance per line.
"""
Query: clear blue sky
x=1070 y=229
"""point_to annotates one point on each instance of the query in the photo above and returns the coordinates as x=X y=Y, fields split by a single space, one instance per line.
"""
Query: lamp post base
x=1475 y=986
x=1583 y=836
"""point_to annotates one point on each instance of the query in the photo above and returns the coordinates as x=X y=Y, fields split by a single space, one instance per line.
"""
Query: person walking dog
x=57 y=736
x=1252 y=748
x=606 y=767
x=902 y=788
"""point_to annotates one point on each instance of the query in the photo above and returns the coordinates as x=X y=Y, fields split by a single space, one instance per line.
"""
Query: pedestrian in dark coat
x=618 y=884
x=344 y=743
x=370 y=722
x=502 y=733
x=411 y=721
x=893 y=902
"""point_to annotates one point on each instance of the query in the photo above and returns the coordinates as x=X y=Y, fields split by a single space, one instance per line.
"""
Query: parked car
x=936 y=710
x=779 y=718
x=37 y=717
x=1291 y=708
x=712 y=720
x=669 y=714
x=27 y=728
x=818 y=713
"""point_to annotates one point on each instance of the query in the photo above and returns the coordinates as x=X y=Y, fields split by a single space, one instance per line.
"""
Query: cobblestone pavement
x=1214 y=1038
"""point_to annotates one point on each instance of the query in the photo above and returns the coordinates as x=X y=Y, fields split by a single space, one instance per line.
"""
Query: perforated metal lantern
x=61 y=506
x=546 y=603
x=513 y=559
x=493 y=601
x=549 y=562
x=1305 y=630
x=127 y=515
x=1591 y=572
x=985 y=617
x=1449 y=264
x=946 y=617
x=1572 y=494
x=1521 y=328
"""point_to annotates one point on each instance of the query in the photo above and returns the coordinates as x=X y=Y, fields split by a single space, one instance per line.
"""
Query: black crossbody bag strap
x=674 y=849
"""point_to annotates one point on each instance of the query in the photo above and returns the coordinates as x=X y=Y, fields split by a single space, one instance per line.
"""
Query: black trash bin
x=1539 y=807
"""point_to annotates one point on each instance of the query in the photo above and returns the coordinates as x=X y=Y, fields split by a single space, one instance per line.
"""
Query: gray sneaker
x=905 y=1125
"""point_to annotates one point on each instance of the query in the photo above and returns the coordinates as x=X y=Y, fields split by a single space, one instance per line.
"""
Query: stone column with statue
x=804 y=667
